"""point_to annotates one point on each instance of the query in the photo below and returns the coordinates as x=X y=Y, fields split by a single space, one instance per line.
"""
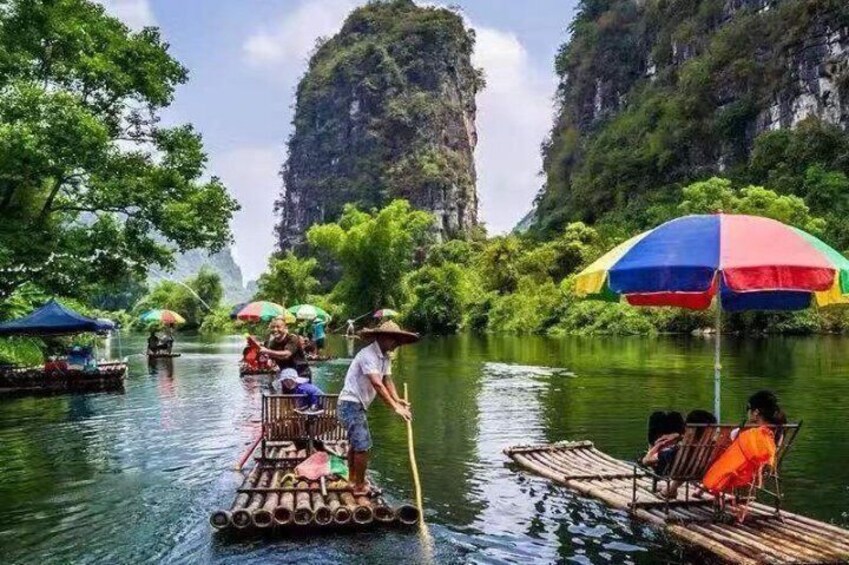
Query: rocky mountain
x=188 y=264
x=385 y=110
x=658 y=93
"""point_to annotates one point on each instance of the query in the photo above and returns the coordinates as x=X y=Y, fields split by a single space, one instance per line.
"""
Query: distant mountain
x=385 y=110
x=188 y=264
x=526 y=222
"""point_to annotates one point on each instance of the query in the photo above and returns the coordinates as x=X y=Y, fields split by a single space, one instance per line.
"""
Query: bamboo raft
x=764 y=537
x=271 y=498
x=36 y=380
x=163 y=355
x=246 y=370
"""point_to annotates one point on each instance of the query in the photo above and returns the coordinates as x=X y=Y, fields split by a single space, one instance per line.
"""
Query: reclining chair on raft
x=700 y=446
x=283 y=421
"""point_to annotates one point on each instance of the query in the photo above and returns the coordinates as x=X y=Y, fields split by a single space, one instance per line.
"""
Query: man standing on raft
x=369 y=375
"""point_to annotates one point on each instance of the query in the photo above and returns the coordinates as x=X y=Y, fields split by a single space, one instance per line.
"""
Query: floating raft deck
x=271 y=498
x=163 y=355
x=246 y=370
x=268 y=500
x=37 y=381
x=763 y=538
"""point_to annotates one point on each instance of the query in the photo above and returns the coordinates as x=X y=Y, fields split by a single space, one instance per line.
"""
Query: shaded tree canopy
x=90 y=180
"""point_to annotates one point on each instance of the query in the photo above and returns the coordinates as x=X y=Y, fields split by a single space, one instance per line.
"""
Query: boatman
x=370 y=375
x=285 y=348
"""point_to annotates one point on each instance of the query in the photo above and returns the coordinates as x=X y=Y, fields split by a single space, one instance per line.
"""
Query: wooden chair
x=700 y=446
x=282 y=421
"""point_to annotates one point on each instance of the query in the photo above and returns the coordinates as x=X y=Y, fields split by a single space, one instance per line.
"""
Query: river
x=133 y=477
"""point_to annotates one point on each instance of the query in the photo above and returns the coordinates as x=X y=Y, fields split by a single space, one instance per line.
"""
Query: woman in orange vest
x=754 y=447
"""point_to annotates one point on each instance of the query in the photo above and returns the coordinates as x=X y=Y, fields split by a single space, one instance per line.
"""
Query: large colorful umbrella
x=167 y=317
x=309 y=312
x=386 y=313
x=260 y=311
x=744 y=262
x=234 y=311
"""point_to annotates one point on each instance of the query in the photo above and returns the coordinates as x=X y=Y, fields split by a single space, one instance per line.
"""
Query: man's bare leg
x=357 y=471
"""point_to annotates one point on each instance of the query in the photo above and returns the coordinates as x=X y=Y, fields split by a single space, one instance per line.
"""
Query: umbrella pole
x=717 y=364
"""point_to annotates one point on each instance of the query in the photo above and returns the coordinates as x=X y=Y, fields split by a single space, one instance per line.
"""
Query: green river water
x=133 y=477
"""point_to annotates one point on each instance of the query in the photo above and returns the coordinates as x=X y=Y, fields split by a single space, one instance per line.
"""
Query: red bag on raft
x=251 y=355
x=741 y=463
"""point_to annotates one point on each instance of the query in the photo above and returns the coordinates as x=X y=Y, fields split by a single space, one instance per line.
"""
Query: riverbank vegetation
x=94 y=189
x=517 y=283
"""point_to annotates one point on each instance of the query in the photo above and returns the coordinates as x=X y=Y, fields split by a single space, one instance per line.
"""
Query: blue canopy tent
x=54 y=319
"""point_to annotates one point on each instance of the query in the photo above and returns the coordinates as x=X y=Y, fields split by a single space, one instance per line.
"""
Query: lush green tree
x=288 y=280
x=193 y=299
x=499 y=263
x=717 y=194
x=90 y=181
x=439 y=296
x=375 y=251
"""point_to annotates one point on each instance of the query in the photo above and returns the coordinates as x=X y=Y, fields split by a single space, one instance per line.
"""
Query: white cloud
x=251 y=175
x=514 y=116
x=514 y=110
x=135 y=13
x=286 y=43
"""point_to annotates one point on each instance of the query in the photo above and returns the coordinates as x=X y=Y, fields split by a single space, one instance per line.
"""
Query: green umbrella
x=307 y=312
x=386 y=313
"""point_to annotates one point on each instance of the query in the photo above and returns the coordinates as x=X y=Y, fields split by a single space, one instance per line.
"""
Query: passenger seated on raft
x=665 y=430
x=153 y=344
x=288 y=382
x=753 y=448
x=662 y=454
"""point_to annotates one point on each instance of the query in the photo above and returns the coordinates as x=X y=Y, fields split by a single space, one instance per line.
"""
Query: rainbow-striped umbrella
x=167 y=317
x=260 y=311
x=747 y=262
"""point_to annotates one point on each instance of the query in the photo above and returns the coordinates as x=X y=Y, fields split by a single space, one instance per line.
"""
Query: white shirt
x=369 y=361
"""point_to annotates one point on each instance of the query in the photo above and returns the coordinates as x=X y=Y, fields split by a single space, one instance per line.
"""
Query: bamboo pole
x=363 y=513
x=263 y=517
x=341 y=513
x=321 y=512
x=243 y=517
x=284 y=513
x=382 y=511
x=303 y=512
x=221 y=519
x=407 y=514
x=413 y=465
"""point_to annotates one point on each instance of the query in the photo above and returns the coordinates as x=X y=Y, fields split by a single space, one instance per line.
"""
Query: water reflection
x=159 y=457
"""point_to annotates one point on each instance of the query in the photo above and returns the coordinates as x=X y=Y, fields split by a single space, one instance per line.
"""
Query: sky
x=245 y=59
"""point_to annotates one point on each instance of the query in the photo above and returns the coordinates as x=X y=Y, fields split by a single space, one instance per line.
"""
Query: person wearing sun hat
x=289 y=382
x=370 y=375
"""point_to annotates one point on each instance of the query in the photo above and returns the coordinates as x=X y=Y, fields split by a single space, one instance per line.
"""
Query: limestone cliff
x=657 y=93
x=385 y=110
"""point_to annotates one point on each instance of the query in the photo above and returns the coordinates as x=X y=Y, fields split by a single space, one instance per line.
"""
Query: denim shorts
x=353 y=417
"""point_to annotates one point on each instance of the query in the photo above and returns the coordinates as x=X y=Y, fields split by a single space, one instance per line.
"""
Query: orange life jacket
x=251 y=355
x=741 y=463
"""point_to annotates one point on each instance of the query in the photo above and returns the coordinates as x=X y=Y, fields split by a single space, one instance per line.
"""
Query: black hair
x=662 y=423
x=766 y=403
x=700 y=417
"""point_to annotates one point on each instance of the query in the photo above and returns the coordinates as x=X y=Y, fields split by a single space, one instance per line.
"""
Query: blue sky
x=245 y=57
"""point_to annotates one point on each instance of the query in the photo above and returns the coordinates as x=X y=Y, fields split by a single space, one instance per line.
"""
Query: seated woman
x=289 y=382
x=664 y=457
x=665 y=429
x=753 y=448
